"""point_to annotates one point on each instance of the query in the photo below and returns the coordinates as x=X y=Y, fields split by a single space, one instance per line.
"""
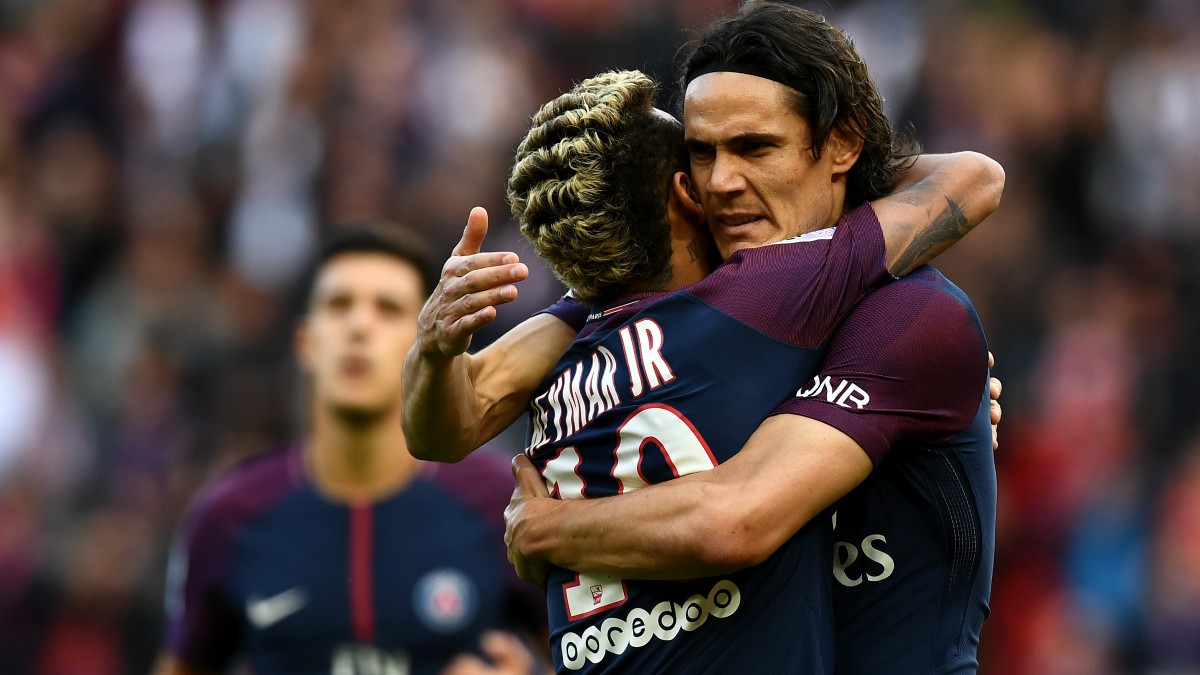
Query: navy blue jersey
x=906 y=377
x=269 y=568
x=661 y=385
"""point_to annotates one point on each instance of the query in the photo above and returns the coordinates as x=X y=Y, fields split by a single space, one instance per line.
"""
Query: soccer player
x=344 y=554
x=805 y=647
x=899 y=408
x=571 y=132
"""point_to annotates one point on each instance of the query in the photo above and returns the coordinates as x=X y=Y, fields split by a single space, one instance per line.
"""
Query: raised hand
x=472 y=285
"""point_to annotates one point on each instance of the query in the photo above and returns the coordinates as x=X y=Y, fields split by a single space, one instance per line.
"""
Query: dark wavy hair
x=367 y=237
x=803 y=51
x=590 y=181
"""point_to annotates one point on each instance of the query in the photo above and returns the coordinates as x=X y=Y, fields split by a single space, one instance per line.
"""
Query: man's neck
x=690 y=262
x=358 y=461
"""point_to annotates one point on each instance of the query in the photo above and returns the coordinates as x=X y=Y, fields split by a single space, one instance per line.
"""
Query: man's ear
x=683 y=196
x=844 y=149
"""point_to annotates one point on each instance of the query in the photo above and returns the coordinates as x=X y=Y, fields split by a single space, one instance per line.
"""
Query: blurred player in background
x=555 y=153
x=345 y=555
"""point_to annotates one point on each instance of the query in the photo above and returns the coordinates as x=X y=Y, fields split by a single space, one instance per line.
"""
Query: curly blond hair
x=590 y=182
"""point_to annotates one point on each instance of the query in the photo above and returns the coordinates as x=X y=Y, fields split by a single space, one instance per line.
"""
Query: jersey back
x=913 y=558
x=663 y=385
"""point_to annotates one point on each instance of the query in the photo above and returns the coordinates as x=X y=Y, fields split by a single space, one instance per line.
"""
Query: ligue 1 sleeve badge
x=445 y=600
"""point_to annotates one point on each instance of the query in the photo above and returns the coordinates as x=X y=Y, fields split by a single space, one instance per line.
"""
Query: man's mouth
x=737 y=221
x=355 y=366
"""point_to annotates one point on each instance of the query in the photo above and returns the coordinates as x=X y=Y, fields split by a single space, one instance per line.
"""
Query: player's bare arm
x=937 y=201
x=455 y=401
x=703 y=524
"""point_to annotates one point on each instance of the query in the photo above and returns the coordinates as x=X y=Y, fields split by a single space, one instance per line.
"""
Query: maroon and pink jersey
x=906 y=377
x=270 y=569
x=664 y=384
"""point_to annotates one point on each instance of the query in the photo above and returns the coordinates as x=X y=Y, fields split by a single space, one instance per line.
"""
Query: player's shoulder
x=855 y=222
x=243 y=491
x=485 y=465
x=482 y=480
x=917 y=322
x=929 y=281
x=799 y=259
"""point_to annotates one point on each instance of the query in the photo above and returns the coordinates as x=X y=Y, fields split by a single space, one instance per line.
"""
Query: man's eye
x=390 y=310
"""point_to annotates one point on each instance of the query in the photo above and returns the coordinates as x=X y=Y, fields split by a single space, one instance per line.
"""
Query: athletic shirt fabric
x=906 y=377
x=268 y=568
x=664 y=384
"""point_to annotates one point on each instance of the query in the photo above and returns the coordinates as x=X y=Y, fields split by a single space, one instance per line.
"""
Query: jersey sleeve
x=800 y=289
x=909 y=365
x=571 y=310
x=201 y=619
x=855 y=265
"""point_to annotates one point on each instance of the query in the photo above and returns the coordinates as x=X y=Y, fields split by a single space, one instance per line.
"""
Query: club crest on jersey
x=445 y=600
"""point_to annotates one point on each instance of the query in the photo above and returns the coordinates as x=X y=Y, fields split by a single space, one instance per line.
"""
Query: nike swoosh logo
x=266 y=612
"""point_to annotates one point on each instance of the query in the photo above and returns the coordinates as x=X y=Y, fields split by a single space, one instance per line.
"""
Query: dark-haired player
x=666 y=384
x=901 y=396
x=344 y=554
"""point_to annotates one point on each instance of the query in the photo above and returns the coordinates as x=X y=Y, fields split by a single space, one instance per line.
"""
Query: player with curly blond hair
x=567 y=189
x=668 y=380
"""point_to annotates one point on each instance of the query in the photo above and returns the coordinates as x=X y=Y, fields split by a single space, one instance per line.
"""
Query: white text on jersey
x=845 y=394
x=846 y=553
x=664 y=621
x=588 y=388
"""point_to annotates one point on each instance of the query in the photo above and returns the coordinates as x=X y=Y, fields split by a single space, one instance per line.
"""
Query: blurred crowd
x=166 y=167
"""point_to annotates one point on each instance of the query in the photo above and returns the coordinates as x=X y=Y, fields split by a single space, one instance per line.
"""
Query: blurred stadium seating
x=166 y=166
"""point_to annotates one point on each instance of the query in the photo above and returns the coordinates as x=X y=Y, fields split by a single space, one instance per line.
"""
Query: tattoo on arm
x=932 y=238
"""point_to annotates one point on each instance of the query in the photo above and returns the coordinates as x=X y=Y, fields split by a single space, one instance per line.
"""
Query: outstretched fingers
x=471 y=286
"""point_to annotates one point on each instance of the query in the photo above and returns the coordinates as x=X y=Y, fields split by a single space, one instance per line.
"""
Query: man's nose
x=726 y=177
x=358 y=321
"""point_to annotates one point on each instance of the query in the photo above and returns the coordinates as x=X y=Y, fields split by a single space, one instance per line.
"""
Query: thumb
x=474 y=233
x=529 y=479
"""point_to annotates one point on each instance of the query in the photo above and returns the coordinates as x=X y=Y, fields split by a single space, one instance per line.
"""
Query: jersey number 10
x=652 y=424
x=682 y=447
